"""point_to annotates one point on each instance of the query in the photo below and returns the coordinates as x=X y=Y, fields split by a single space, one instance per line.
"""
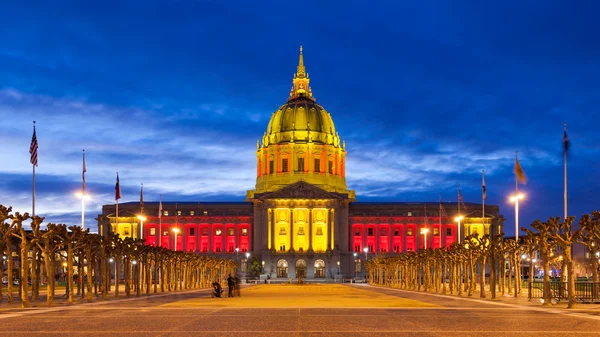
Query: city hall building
x=300 y=219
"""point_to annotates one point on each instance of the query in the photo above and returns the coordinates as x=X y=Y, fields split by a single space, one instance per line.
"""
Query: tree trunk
x=24 y=281
x=571 y=276
x=117 y=274
x=90 y=264
x=594 y=277
x=547 y=291
x=35 y=273
x=482 y=278
x=102 y=277
x=9 y=269
x=531 y=277
x=70 y=289
x=50 y=275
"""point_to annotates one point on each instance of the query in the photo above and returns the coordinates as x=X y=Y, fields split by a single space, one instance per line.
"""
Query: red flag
x=117 y=189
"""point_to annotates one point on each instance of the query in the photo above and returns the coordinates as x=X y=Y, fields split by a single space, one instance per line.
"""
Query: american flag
x=33 y=149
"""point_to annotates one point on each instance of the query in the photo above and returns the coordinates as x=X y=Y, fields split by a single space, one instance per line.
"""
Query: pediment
x=301 y=190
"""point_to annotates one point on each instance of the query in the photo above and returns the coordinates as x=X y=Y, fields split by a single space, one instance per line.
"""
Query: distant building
x=301 y=219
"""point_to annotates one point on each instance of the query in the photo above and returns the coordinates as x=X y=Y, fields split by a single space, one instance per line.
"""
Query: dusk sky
x=175 y=94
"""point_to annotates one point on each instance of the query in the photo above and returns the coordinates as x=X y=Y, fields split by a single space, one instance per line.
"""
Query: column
x=291 y=229
x=364 y=236
x=196 y=249
x=310 y=229
x=390 y=238
x=269 y=246
x=404 y=231
x=184 y=238
x=210 y=237
x=237 y=235
x=377 y=236
x=333 y=231
x=272 y=226
x=329 y=231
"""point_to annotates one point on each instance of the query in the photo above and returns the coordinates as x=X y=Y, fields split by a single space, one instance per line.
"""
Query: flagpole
x=483 y=199
x=83 y=192
x=517 y=201
x=33 y=178
x=458 y=216
x=565 y=173
x=440 y=222
x=117 y=196
x=160 y=222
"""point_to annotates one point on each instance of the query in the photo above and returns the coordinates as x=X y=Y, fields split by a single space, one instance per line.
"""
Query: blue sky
x=174 y=95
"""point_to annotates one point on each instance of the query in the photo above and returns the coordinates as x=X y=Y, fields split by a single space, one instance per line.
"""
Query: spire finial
x=301 y=70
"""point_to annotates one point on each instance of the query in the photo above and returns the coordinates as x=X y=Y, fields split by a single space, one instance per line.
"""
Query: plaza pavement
x=292 y=310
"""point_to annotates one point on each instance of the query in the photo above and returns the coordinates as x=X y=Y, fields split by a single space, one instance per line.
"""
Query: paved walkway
x=315 y=310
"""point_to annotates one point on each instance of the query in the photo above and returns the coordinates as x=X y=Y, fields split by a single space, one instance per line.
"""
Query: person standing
x=230 y=285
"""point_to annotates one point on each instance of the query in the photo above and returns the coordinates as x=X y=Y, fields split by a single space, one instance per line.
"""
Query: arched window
x=319 y=269
x=244 y=265
x=282 y=268
x=300 y=268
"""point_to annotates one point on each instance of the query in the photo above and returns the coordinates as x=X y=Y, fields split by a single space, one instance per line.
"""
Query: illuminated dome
x=301 y=144
x=301 y=119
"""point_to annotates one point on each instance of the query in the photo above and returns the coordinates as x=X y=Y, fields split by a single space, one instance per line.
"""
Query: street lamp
x=83 y=196
x=247 y=256
x=263 y=267
x=515 y=199
x=355 y=261
x=142 y=219
x=338 y=263
x=457 y=219
x=175 y=230
x=237 y=250
x=424 y=231
x=366 y=250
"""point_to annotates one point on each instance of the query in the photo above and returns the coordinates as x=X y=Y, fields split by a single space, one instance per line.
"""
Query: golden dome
x=301 y=119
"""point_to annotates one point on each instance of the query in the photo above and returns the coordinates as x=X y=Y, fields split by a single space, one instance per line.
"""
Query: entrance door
x=300 y=268
x=282 y=269
x=319 y=269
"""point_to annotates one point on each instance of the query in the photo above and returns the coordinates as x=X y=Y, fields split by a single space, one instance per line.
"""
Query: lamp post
x=355 y=271
x=142 y=219
x=424 y=231
x=457 y=219
x=515 y=199
x=175 y=230
x=263 y=267
x=83 y=196
x=338 y=264
x=366 y=250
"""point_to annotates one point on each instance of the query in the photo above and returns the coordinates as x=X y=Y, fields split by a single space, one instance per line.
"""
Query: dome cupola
x=300 y=144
